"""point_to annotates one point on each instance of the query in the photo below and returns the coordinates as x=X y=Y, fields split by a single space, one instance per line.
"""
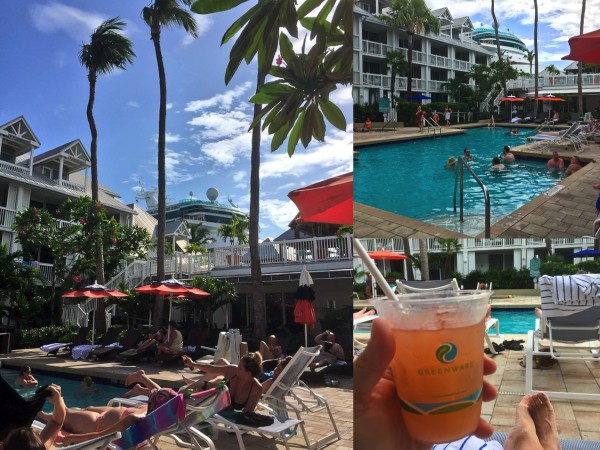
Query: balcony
x=558 y=81
x=7 y=218
x=14 y=168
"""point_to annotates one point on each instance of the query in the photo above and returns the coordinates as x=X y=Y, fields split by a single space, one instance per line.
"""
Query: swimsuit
x=236 y=405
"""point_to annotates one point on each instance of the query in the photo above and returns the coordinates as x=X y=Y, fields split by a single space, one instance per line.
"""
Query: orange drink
x=438 y=364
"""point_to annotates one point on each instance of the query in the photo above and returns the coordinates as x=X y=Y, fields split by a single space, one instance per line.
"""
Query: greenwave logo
x=446 y=353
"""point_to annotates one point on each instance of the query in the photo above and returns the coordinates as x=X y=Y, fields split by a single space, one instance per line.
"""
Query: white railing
x=14 y=168
x=440 y=61
x=134 y=274
x=7 y=217
x=590 y=79
x=74 y=186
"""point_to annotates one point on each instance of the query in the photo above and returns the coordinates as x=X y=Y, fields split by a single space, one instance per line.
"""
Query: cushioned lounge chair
x=569 y=328
x=130 y=340
x=193 y=343
x=408 y=287
x=83 y=351
x=65 y=347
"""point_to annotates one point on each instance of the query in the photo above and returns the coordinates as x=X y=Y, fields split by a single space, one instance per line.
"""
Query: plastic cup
x=438 y=364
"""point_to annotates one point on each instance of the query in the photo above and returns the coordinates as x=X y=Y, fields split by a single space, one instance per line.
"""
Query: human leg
x=141 y=377
x=264 y=351
x=535 y=425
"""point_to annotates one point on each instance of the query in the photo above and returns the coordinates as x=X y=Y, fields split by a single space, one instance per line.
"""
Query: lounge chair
x=99 y=443
x=83 y=351
x=287 y=394
x=229 y=347
x=564 y=136
x=407 y=287
x=565 y=444
x=570 y=316
x=54 y=348
x=130 y=340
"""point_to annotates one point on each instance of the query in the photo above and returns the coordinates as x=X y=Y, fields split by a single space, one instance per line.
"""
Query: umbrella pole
x=305 y=335
x=94 y=320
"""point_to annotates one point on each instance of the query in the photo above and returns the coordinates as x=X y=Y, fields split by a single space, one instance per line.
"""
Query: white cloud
x=240 y=175
x=172 y=138
x=57 y=17
x=279 y=212
x=226 y=152
x=203 y=24
x=217 y=125
x=223 y=101
x=342 y=96
x=169 y=106
x=133 y=104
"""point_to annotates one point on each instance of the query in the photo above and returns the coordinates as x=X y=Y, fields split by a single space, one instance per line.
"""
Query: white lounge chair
x=570 y=316
x=407 y=287
x=99 y=443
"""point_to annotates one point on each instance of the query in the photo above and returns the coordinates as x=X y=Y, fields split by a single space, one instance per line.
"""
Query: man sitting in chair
x=331 y=351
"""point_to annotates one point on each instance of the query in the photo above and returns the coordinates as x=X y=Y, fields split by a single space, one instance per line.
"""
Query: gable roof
x=19 y=132
x=75 y=154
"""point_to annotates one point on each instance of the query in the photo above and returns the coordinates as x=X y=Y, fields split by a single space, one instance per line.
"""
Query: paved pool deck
x=317 y=425
x=575 y=419
x=568 y=210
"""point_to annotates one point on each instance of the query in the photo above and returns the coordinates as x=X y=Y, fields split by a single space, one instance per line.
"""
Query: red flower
x=279 y=60
x=99 y=207
x=113 y=240
x=34 y=212
x=76 y=278
x=83 y=220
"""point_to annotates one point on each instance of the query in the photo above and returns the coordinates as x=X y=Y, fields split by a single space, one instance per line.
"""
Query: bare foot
x=538 y=312
x=542 y=412
x=523 y=435
x=134 y=377
x=596 y=186
x=137 y=389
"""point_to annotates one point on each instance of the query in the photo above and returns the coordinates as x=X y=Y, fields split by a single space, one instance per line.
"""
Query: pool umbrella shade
x=386 y=255
x=550 y=98
x=172 y=288
x=328 y=201
x=304 y=312
x=94 y=291
x=419 y=97
x=585 y=48
x=586 y=252
x=512 y=98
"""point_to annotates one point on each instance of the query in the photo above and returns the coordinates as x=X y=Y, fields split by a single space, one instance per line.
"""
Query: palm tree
x=234 y=230
x=410 y=274
x=108 y=50
x=200 y=234
x=159 y=14
x=414 y=17
x=424 y=258
x=580 y=67
x=552 y=70
x=535 y=50
x=450 y=247
x=496 y=28
x=530 y=57
x=394 y=59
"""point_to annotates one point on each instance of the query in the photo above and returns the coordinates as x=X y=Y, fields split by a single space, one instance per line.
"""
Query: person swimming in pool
x=509 y=158
x=496 y=164
x=556 y=162
x=25 y=379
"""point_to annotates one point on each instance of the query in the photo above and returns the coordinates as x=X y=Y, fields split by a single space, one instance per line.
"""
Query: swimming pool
x=409 y=178
x=71 y=389
x=515 y=321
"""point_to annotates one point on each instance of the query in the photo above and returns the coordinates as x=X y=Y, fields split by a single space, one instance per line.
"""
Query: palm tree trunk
x=410 y=274
x=410 y=61
x=535 y=49
x=424 y=259
x=100 y=314
x=162 y=183
x=580 y=67
x=258 y=290
x=496 y=30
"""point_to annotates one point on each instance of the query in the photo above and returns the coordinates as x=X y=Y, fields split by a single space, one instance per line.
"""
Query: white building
x=437 y=58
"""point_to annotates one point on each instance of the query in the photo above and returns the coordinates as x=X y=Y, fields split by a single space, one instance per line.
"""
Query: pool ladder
x=459 y=181
x=432 y=126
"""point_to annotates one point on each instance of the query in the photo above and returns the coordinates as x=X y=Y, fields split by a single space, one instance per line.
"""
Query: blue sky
x=557 y=22
x=207 y=140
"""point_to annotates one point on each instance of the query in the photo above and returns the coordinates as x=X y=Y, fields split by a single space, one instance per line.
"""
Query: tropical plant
x=530 y=57
x=71 y=246
x=410 y=273
x=200 y=234
x=394 y=59
x=459 y=90
x=484 y=83
x=107 y=51
x=258 y=36
x=234 y=230
x=222 y=293
x=450 y=247
x=414 y=17
x=159 y=14
x=552 y=70
x=193 y=248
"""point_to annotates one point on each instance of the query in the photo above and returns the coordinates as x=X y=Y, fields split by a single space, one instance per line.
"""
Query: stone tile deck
x=317 y=424
x=569 y=212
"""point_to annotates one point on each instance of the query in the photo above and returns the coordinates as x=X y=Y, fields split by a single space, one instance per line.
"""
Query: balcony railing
x=7 y=218
x=558 y=81
x=74 y=186
x=14 y=168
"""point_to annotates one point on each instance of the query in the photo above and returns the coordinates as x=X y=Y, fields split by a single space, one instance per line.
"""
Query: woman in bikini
x=244 y=388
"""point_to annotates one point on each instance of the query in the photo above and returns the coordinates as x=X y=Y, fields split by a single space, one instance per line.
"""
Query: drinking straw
x=382 y=283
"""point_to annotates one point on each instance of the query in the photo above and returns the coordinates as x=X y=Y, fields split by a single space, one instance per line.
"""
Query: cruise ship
x=209 y=213
x=510 y=44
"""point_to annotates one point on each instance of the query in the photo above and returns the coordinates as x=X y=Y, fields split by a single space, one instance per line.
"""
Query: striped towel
x=580 y=290
x=469 y=443
x=83 y=351
x=158 y=420
x=54 y=346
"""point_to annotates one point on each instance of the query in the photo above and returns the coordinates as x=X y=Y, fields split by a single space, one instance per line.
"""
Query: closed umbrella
x=585 y=48
x=94 y=291
x=172 y=288
x=328 y=201
x=304 y=312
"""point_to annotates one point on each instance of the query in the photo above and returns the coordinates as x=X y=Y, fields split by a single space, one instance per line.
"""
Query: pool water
x=72 y=392
x=515 y=321
x=409 y=178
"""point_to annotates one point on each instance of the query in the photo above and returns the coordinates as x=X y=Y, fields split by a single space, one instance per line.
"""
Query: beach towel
x=83 y=351
x=54 y=346
x=469 y=443
x=579 y=290
x=158 y=420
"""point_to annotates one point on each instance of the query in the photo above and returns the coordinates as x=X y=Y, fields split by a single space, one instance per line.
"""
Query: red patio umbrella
x=328 y=201
x=550 y=98
x=386 y=255
x=172 y=288
x=512 y=98
x=585 y=48
x=94 y=291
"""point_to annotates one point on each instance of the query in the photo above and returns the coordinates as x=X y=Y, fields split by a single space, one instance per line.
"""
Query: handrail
x=433 y=125
x=486 y=195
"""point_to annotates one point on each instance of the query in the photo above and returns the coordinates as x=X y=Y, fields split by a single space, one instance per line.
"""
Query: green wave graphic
x=441 y=408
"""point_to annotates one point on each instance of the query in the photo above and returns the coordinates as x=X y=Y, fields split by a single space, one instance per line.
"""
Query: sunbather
x=173 y=343
x=97 y=421
x=378 y=412
x=153 y=341
x=270 y=349
x=331 y=351
x=24 y=438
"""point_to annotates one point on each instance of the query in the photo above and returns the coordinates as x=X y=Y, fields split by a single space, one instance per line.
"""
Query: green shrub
x=36 y=337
